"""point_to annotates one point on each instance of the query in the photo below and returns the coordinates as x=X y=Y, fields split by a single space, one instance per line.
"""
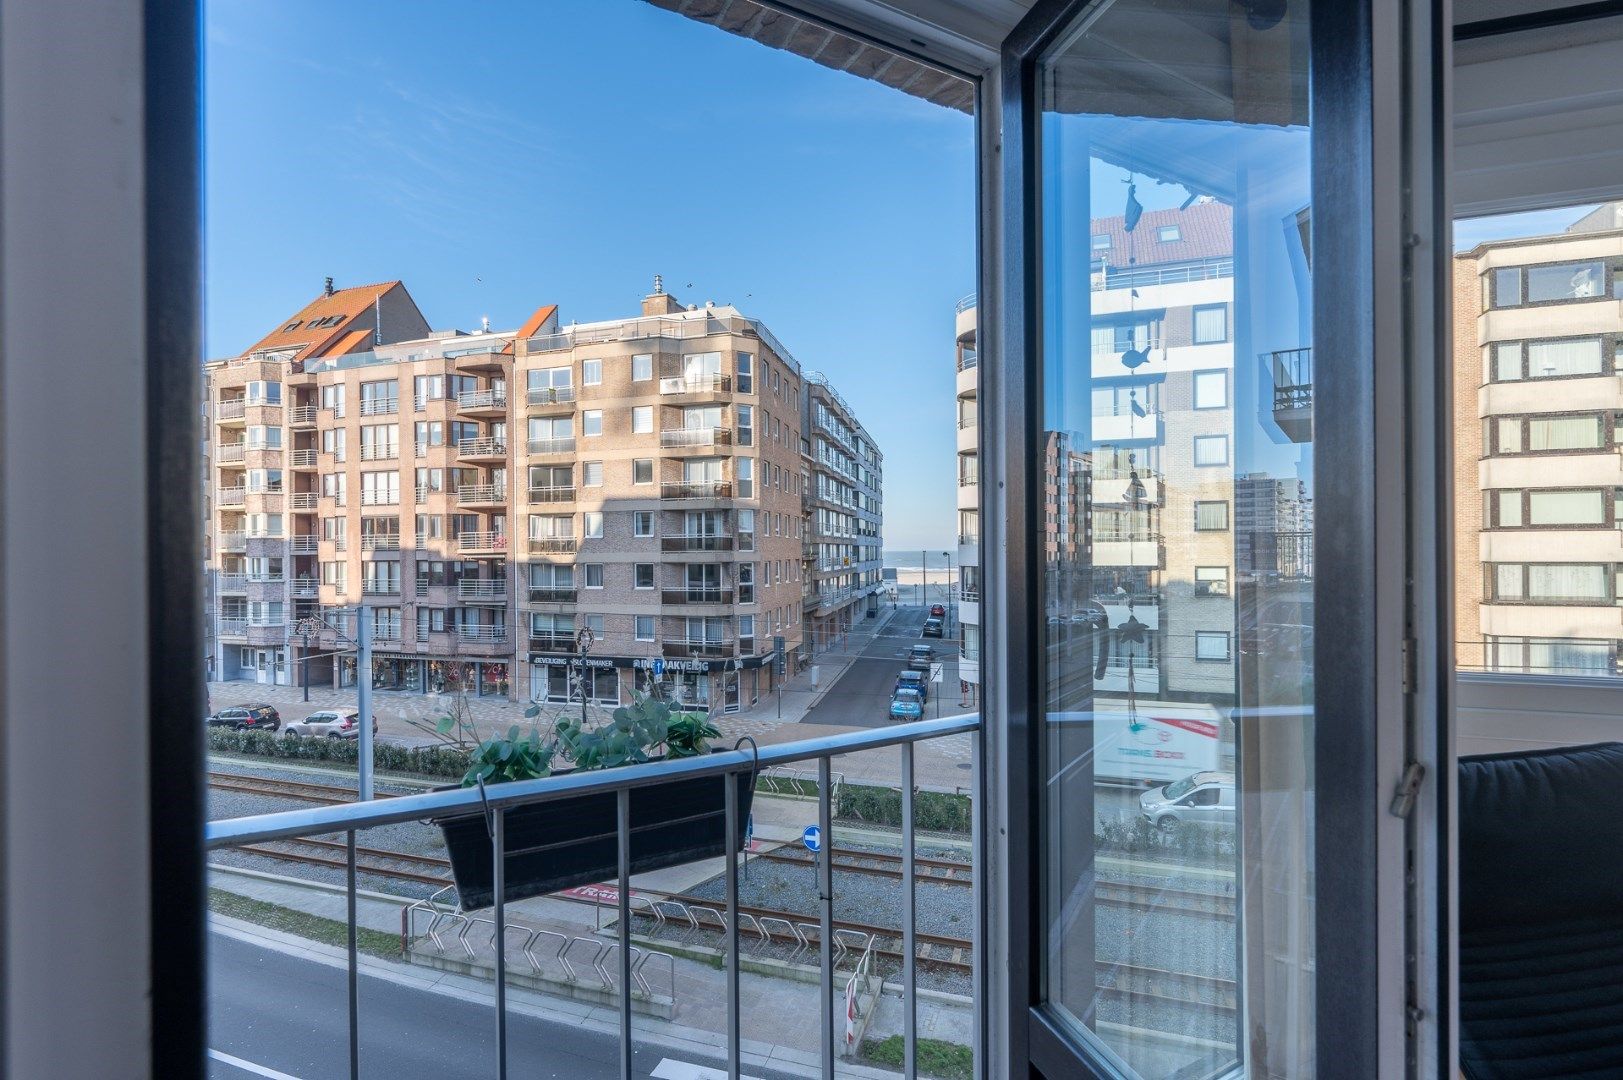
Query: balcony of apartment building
x=1291 y=372
x=305 y=543
x=707 y=648
x=383 y=543
x=484 y=359
x=231 y=411
x=694 y=595
x=695 y=388
x=1119 y=545
x=232 y=625
x=233 y=497
x=485 y=448
x=544 y=494
x=302 y=458
x=305 y=587
x=552 y=641
x=231 y=540
x=703 y=440
x=562 y=446
x=545 y=595
x=302 y=417
x=481 y=543
x=229 y=453
x=1126 y=424
x=481 y=496
x=697 y=543
x=482 y=590
x=549 y=401
x=695 y=490
x=1113 y=486
x=552 y=545
x=487 y=403
x=304 y=502
x=488 y=638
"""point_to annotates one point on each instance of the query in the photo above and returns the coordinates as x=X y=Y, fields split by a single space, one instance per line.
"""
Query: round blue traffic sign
x=812 y=838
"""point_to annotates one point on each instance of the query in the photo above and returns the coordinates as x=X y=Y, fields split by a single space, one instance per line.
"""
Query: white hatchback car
x=329 y=723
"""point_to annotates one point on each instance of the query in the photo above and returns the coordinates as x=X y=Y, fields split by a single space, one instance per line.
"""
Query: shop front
x=697 y=685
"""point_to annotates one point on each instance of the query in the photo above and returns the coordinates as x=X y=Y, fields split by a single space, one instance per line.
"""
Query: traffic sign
x=659 y=666
x=780 y=662
x=812 y=838
x=935 y=673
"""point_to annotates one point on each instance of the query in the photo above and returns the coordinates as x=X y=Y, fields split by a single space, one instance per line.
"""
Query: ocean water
x=915 y=559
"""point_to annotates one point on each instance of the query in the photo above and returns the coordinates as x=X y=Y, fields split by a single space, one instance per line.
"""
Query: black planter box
x=574 y=841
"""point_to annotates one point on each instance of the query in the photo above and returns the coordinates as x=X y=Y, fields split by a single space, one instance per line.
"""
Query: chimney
x=327 y=291
x=660 y=302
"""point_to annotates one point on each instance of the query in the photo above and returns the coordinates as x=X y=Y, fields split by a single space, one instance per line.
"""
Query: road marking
x=249 y=1067
x=671 y=1069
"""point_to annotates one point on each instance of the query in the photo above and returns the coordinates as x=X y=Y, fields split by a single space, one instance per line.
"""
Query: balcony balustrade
x=235 y=409
x=696 y=596
x=302 y=416
x=550 y=595
x=381 y=587
x=481 y=448
x=233 y=541
x=552 y=641
x=552 y=545
x=490 y=633
x=542 y=396
x=564 y=445
x=305 y=543
x=697 y=542
x=379 y=406
x=696 y=384
x=492 y=400
x=699 y=649
x=232 y=626
x=306 y=588
x=482 y=589
x=696 y=489
x=302 y=459
x=380 y=542
x=378 y=453
x=227 y=453
x=230 y=582
x=231 y=496
x=690 y=438
x=481 y=541
x=552 y=494
x=303 y=500
x=480 y=494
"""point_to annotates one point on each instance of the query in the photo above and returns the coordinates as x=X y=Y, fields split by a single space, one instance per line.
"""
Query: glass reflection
x=1178 y=514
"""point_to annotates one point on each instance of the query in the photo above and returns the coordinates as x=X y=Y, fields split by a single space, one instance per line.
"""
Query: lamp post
x=304 y=661
x=951 y=595
x=583 y=643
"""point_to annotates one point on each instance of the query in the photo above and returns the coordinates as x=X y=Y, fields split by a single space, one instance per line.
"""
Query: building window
x=594 y=623
x=1211 y=516
x=591 y=474
x=1211 y=581
x=645 y=628
x=1211 y=450
x=1211 y=324
x=1555 y=359
x=1508 y=509
x=744 y=366
x=642 y=419
x=591 y=422
x=746 y=478
x=592 y=574
x=1507 y=287
x=1508 y=431
x=1211 y=389
x=1565 y=281
x=592 y=524
x=1168 y=234
x=591 y=373
x=642 y=471
x=1100 y=241
x=1549 y=583
x=642 y=523
x=1565 y=508
x=1507 y=361
x=642 y=367
x=1566 y=433
x=643 y=575
x=1212 y=645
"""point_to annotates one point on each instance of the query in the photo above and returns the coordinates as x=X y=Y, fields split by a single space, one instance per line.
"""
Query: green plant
x=936 y=1057
x=430 y=761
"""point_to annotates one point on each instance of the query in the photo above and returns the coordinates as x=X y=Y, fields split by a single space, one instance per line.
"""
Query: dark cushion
x=1541 y=914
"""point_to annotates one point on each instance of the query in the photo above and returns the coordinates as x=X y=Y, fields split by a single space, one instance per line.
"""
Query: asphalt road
x=861 y=697
x=284 y=1016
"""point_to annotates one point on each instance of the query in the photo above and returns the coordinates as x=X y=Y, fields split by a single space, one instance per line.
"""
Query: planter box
x=574 y=841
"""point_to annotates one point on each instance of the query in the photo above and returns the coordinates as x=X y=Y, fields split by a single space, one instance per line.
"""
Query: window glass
x=1508 y=581
x=1565 y=508
x=591 y=422
x=1566 y=281
x=1565 y=433
x=593 y=575
x=1507 y=361
x=1550 y=359
x=1211 y=324
x=642 y=367
x=1211 y=389
x=1509 y=435
x=642 y=471
x=591 y=474
x=592 y=524
x=1507 y=287
x=1509 y=504
x=643 y=575
x=1564 y=581
x=642 y=419
x=1211 y=645
x=1211 y=515
x=591 y=372
x=645 y=628
x=1211 y=450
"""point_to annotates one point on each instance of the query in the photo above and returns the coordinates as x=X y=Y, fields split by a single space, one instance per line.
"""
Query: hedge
x=434 y=761
x=936 y=811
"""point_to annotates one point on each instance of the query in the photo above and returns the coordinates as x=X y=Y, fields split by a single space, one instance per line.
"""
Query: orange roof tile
x=534 y=323
x=346 y=343
x=321 y=321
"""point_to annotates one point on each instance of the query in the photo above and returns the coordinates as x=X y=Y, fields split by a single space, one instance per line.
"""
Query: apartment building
x=1540 y=487
x=967 y=405
x=843 y=473
x=501 y=501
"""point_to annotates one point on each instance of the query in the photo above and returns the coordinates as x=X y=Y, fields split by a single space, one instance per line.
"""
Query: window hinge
x=1409 y=677
x=1408 y=788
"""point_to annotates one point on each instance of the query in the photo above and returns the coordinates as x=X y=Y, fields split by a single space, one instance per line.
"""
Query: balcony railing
x=233 y=541
x=481 y=541
x=482 y=589
x=232 y=496
x=552 y=641
x=305 y=544
x=553 y=494
x=696 y=596
x=550 y=395
x=481 y=448
x=301 y=415
x=696 y=384
x=378 y=453
x=381 y=588
x=303 y=500
x=482 y=399
x=499 y=801
x=232 y=626
x=551 y=595
x=696 y=437
x=380 y=406
x=696 y=489
x=710 y=542
x=302 y=459
x=564 y=445
x=492 y=632
x=226 y=453
x=231 y=410
x=480 y=494
x=552 y=545
x=700 y=649
x=305 y=587
x=380 y=542
x=230 y=582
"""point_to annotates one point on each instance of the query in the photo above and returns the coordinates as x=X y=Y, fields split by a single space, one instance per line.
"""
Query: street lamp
x=583 y=644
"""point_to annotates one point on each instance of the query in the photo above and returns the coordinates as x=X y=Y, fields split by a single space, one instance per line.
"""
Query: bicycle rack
x=681 y=908
x=767 y=922
x=549 y=935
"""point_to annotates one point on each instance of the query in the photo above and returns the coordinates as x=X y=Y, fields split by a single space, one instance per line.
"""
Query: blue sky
x=498 y=157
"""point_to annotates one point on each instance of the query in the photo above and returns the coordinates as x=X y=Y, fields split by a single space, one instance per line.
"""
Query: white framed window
x=594 y=623
x=1507 y=360
x=644 y=629
x=1211 y=324
x=1566 y=508
x=1099 y=241
x=642 y=523
x=1508 y=505
x=591 y=373
x=1168 y=234
x=1212 y=645
x=746 y=478
x=332 y=442
x=380 y=488
x=591 y=422
x=1565 y=433
x=592 y=575
x=1211 y=450
x=744 y=366
x=1211 y=581
x=1211 y=516
x=263 y=393
x=1211 y=389
x=332 y=397
x=642 y=367
x=642 y=419
x=592 y=524
x=591 y=474
x=1556 y=359
x=642 y=470
x=642 y=575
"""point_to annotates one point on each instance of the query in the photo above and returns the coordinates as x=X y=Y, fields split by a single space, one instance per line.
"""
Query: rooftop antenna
x=327 y=289
x=484 y=324
x=659 y=284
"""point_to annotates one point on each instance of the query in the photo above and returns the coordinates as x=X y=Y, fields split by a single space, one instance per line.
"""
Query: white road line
x=249 y=1067
x=671 y=1069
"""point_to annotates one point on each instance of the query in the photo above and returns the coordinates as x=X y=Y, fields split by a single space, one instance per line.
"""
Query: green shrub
x=1138 y=837
x=937 y=811
x=433 y=761
x=936 y=1057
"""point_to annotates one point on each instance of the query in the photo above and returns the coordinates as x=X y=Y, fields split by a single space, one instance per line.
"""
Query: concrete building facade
x=502 y=501
x=843 y=476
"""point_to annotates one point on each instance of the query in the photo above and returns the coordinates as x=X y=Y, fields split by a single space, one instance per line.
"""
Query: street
x=286 y=1016
x=861 y=697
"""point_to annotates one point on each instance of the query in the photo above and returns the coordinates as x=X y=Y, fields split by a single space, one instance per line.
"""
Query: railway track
x=378 y=862
x=325 y=794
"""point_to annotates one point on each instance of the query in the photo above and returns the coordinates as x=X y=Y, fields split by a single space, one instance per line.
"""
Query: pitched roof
x=532 y=326
x=1205 y=231
x=326 y=322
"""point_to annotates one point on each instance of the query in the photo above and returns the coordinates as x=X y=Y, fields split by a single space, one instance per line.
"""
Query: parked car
x=938 y=610
x=254 y=717
x=920 y=657
x=932 y=628
x=914 y=680
x=906 y=705
x=1202 y=798
x=328 y=723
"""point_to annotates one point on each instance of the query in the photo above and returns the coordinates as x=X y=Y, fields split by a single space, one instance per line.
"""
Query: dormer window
x=1168 y=234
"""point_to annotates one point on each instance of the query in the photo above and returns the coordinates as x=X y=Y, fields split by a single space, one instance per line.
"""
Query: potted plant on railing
x=574 y=841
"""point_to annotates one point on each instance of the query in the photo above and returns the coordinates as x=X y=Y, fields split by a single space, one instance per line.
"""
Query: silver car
x=1203 y=798
x=328 y=723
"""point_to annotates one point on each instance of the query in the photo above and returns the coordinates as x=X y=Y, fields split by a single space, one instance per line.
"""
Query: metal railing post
x=363 y=695
x=354 y=949
x=734 y=1053
x=825 y=905
x=623 y=834
x=910 y=1010
x=498 y=875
